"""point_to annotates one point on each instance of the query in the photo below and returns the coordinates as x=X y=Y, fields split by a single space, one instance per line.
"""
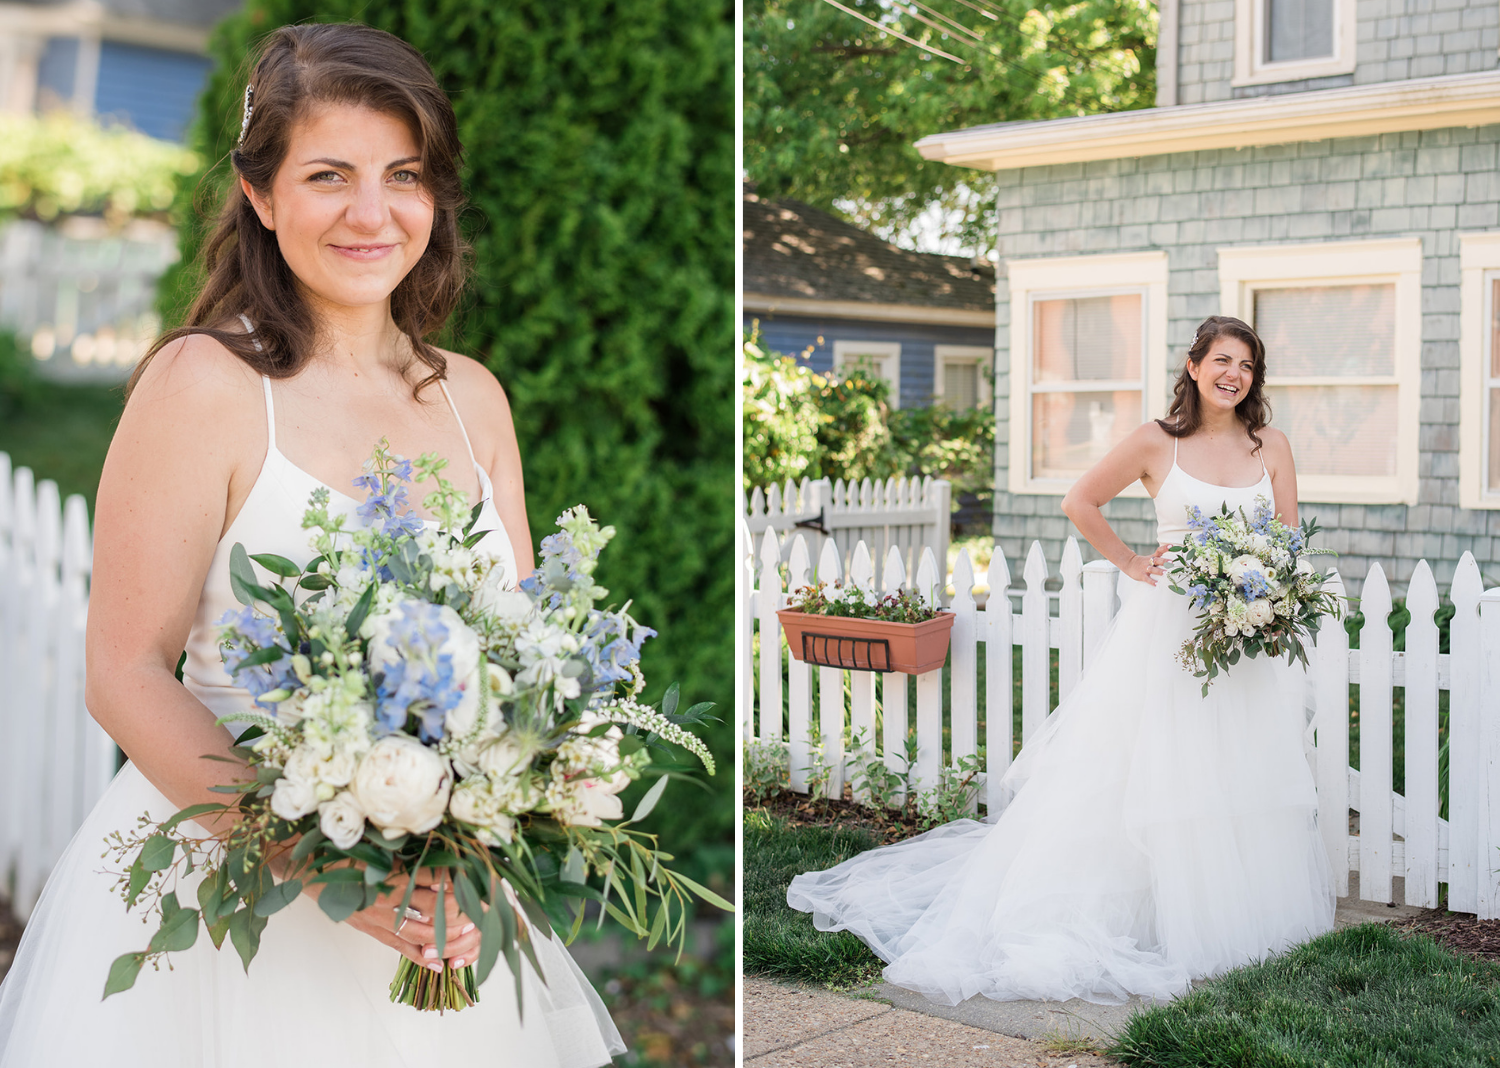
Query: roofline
x=854 y=309
x=91 y=18
x=1354 y=111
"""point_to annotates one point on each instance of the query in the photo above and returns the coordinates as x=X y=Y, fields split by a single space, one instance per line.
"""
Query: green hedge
x=600 y=168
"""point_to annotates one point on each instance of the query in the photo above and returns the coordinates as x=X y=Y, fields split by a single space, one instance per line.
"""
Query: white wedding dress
x=1152 y=836
x=318 y=992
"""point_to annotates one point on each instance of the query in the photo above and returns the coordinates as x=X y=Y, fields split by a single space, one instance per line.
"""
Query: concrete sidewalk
x=883 y=1024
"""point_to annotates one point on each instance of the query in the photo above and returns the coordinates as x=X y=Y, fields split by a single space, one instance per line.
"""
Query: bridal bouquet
x=413 y=711
x=1250 y=579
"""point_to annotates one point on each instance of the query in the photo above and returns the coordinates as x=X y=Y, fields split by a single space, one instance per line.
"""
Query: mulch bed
x=799 y=810
x=1458 y=931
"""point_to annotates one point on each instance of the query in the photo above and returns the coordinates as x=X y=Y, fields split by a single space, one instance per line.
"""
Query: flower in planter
x=904 y=606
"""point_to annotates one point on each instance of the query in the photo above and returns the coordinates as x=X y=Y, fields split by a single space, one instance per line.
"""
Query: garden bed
x=800 y=810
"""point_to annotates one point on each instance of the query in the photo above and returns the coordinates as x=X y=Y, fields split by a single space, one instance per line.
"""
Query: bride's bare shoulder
x=195 y=371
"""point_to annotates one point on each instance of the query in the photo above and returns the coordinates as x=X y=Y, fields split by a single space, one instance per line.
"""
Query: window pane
x=1298 y=29
x=1493 y=482
x=1328 y=330
x=960 y=385
x=1339 y=430
x=1088 y=339
x=1070 y=432
x=1495 y=329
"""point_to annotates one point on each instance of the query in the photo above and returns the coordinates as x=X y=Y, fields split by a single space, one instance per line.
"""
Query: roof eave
x=1362 y=110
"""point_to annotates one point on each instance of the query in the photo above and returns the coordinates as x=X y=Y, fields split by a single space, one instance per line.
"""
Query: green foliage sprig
x=851 y=602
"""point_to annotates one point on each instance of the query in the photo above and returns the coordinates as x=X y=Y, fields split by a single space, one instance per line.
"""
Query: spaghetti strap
x=460 y=419
x=1175 y=440
x=265 y=382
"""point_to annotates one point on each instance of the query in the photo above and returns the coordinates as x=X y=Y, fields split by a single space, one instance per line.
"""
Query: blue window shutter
x=151 y=89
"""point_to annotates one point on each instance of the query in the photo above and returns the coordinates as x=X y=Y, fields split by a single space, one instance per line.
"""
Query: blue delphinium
x=253 y=632
x=420 y=680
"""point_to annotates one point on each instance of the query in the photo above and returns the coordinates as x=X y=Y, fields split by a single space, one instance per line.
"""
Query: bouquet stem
x=429 y=991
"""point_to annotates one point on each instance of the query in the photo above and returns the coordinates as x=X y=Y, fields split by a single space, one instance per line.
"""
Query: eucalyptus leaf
x=244 y=931
x=157 y=853
x=192 y=812
x=309 y=841
x=277 y=565
x=242 y=576
x=360 y=611
x=341 y=900
x=573 y=868
x=139 y=877
x=178 y=931
x=278 y=897
x=646 y=804
x=123 y=972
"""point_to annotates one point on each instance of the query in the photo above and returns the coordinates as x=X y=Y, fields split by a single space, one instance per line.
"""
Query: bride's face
x=1225 y=374
x=347 y=206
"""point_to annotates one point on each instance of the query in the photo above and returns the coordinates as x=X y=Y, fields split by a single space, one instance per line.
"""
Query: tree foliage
x=833 y=105
x=600 y=169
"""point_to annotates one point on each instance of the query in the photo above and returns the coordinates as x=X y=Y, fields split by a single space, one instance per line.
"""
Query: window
x=962 y=376
x=1342 y=328
x=1479 y=371
x=1087 y=362
x=883 y=358
x=1289 y=40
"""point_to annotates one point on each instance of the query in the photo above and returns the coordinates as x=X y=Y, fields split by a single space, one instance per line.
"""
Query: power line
x=894 y=33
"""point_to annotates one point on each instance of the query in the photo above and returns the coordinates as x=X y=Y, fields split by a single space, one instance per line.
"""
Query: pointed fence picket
x=1398 y=836
x=56 y=761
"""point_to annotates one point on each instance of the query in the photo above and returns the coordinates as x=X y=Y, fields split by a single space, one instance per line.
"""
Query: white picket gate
x=55 y=761
x=1399 y=835
x=905 y=514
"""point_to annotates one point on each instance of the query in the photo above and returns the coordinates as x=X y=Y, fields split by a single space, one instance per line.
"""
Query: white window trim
x=886 y=350
x=1073 y=276
x=1249 y=47
x=1396 y=261
x=979 y=354
x=1479 y=266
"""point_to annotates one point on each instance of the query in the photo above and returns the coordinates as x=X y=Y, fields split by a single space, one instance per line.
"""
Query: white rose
x=1259 y=612
x=402 y=786
x=476 y=804
x=503 y=757
x=293 y=798
x=1304 y=566
x=342 y=820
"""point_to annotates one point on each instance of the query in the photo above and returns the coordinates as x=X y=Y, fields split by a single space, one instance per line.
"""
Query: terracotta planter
x=868 y=644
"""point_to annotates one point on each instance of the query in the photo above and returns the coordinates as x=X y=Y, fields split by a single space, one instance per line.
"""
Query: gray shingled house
x=822 y=287
x=1326 y=169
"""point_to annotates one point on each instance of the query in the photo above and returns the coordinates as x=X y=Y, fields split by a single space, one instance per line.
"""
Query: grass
x=62 y=433
x=1363 y=997
x=779 y=941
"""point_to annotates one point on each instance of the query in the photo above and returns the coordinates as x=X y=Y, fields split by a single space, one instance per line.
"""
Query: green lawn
x=1364 y=997
x=62 y=433
x=783 y=943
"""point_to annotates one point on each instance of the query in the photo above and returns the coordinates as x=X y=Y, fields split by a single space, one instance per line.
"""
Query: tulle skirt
x=1150 y=836
x=318 y=991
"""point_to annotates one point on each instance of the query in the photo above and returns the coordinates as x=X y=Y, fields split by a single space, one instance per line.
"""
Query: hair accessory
x=245 y=122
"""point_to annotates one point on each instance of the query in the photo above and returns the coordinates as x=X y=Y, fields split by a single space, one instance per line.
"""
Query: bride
x=336 y=254
x=1150 y=835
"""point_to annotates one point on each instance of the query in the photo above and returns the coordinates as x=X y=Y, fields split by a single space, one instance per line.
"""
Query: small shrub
x=953 y=797
x=766 y=769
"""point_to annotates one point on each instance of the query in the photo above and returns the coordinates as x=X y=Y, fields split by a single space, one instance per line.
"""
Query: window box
x=868 y=644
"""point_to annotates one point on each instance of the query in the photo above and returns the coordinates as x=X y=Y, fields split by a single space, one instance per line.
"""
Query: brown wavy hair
x=243 y=270
x=1186 y=414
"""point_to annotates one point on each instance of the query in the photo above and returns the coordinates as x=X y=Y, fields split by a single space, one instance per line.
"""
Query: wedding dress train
x=1150 y=835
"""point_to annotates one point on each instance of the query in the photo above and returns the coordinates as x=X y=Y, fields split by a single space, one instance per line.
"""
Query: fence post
x=1375 y=757
x=831 y=691
x=999 y=698
x=1489 y=727
x=1098 y=605
x=1332 y=726
x=1421 y=740
x=929 y=692
x=1070 y=621
x=1465 y=800
x=799 y=679
x=862 y=683
x=963 y=710
x=893 y=683
x=1035 y=666
x=768 y=601
x=745 y=621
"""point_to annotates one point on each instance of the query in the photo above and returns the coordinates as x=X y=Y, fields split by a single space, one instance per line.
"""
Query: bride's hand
x=1146 y=568
x=416 y=937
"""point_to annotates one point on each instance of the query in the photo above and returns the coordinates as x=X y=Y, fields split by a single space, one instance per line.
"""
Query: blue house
x=821 y=286
x=139 y=62
x=1324 y=169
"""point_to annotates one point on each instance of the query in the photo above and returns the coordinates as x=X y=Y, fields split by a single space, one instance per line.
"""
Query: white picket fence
x=1398 y=835
x=905 y=514
x=55 y=761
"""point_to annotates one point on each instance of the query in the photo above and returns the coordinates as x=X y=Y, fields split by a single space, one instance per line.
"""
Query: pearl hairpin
x=245 y=122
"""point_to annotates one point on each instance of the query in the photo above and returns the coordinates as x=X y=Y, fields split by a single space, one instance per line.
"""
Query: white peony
x=1260 y=612
x=587 y=802
x=1240 y=566
x=342 y=820
x=402 y=786
x=475 y=803
x=463 y=718
x=293 y=798
x=335 y=767
x=503 y=757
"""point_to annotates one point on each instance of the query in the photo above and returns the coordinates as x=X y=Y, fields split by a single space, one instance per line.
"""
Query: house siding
x=1429 y=184
x=795 y=335
x=1394 y=40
